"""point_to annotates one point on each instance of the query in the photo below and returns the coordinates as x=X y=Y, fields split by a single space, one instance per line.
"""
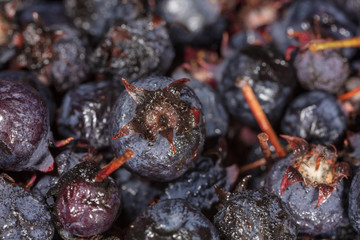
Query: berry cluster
x=179 y=119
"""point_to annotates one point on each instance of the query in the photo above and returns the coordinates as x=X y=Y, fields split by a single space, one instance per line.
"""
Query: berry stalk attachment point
x=113 y=165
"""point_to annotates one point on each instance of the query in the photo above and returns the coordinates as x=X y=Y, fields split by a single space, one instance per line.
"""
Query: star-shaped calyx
x=160 y=112
x=315 y=165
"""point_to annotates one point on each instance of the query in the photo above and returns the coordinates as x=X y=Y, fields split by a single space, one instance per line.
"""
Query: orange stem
x=113 y=165
x=31 y=181
x=263 y=140
x=346 y=43
x=349 y=94
x=64 y=142
x=260 y=116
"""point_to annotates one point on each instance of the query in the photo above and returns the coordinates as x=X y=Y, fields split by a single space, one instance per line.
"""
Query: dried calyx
x=160 y=112
x=314 y=165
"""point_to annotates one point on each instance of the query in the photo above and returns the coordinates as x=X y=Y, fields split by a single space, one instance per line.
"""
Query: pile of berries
x=179 y=119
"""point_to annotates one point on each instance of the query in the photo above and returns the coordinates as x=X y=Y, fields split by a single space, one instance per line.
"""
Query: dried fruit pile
x=179 y=119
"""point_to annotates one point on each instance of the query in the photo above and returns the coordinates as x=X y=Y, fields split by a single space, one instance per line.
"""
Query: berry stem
x=259 y=115
x=349 y=94
x=263 y=139
x=346 y=43
x=113 y=165
x=31 y=181
x=63 y=142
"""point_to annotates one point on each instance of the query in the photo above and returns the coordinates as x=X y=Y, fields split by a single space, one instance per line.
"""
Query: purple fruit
x=25 y=129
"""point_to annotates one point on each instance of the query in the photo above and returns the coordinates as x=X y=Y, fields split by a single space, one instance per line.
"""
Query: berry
x=316 y=117
x=161 y=120
x=84 y=207
x=303 y=199
x=171 y=219
x=354 y=202
x=271 y=77
x=133 y=50
x=254 y=214
x=196 y=185
x=25 y=130
x=85 y=112
x=21 y=215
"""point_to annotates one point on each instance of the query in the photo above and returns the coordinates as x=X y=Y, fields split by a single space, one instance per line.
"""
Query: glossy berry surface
x=271 y=77
x=21 y=215
x=171 y=219
x=161 y=120
x=84 y=207
x=85 y=112
x=303 y=199
x=254 y=214
x=25 y=130
x=316 y=117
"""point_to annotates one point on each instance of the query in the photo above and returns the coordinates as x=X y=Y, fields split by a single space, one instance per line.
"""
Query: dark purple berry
x=322 y=70
x=134 y=50
x=303 y=199
x=84 y=207
x=21 y=215
x=56 y=53
x=85 y=112
x=269 y=75
x=171 y=219
x=354 y=202
x=254 y=214
x=161 y=120
x=96 y=16
x=196 y=185
x=25 y=130
x=316 y=117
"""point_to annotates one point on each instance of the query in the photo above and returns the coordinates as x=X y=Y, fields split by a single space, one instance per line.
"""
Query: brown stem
x=349 y=94
x=260 y=116
x=113 y=165
x=346 y=43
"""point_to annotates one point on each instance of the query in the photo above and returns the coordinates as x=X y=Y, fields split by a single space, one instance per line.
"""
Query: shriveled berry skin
x=85 y=112
x=196 y=185
x=255 y=215
x=171 y=219
x=324 y=70
x=270 y=76
x=134 y=50
x=21 y=215
x=96 y=16
x=354 y=202
x=316 y=117
x=303 y=199
x=197 y=23
x=156 y=160
x=82 y=206
x=25 y=130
